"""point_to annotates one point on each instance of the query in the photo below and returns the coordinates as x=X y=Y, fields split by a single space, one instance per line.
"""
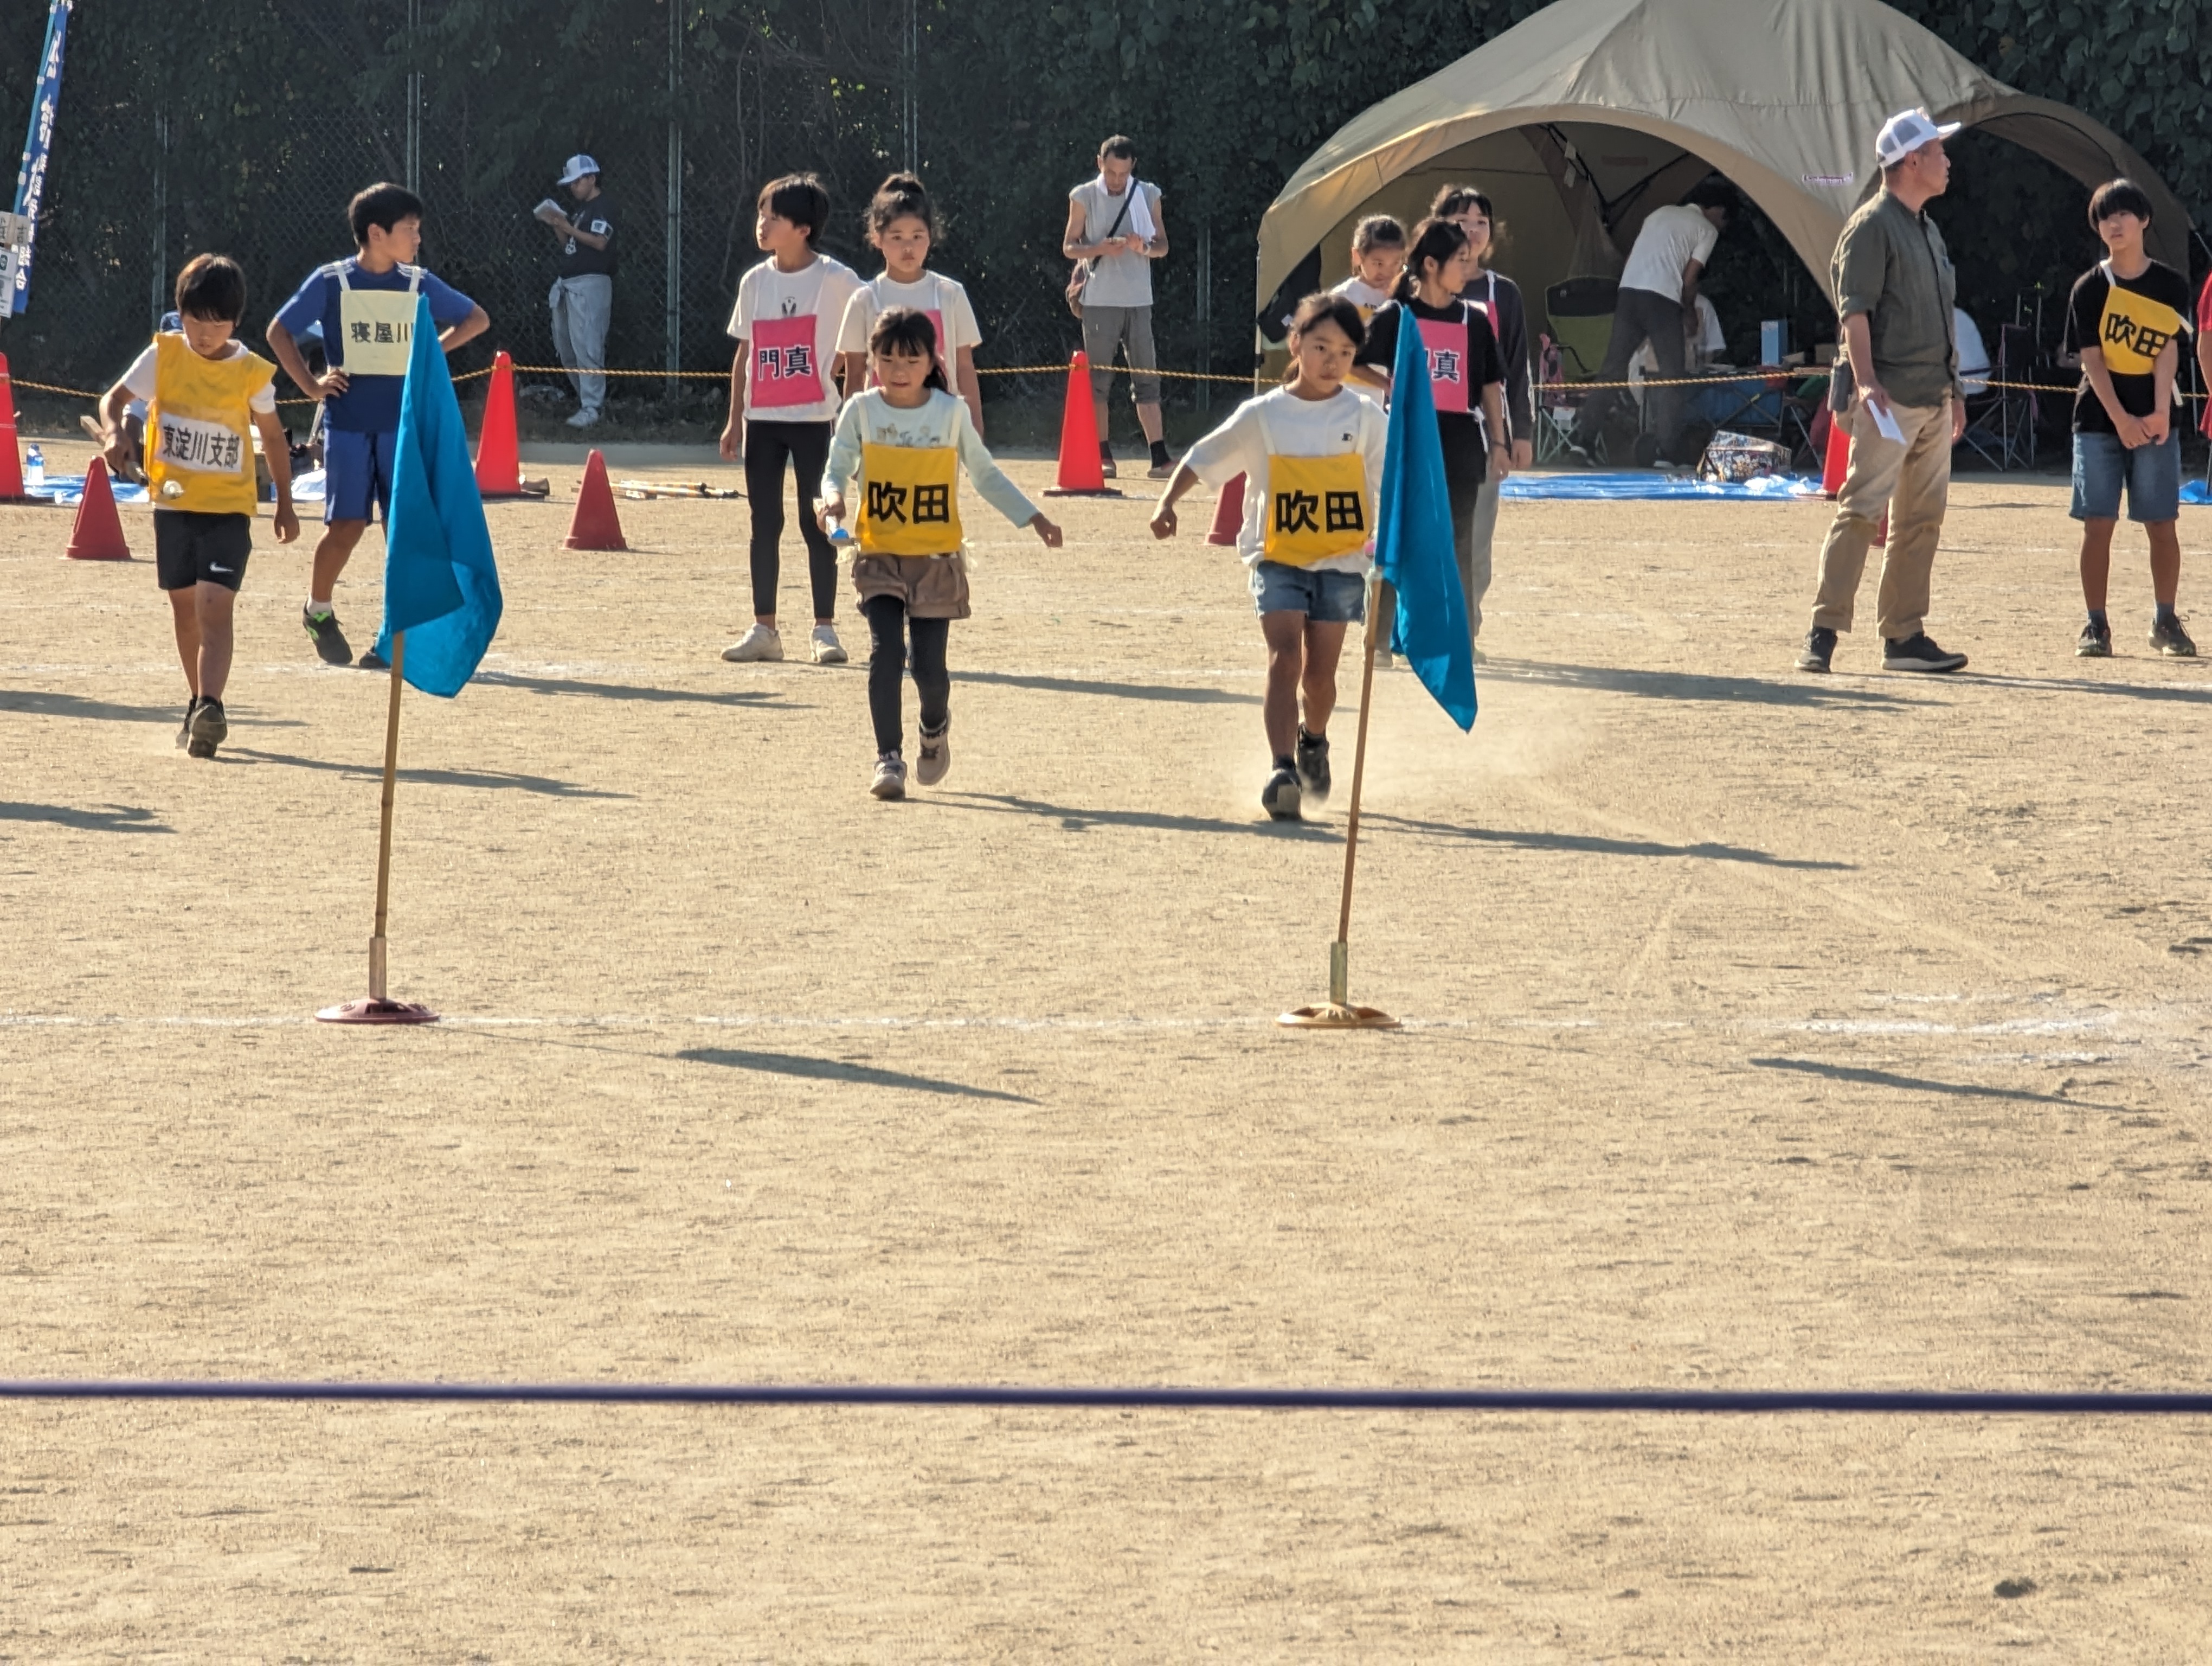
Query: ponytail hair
x=907 y=330
x=1434 y=240
x=899 y=197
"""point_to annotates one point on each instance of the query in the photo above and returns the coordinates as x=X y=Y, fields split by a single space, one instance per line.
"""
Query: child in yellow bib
x=902 y=444
x=205 y=397
x=1311 y=456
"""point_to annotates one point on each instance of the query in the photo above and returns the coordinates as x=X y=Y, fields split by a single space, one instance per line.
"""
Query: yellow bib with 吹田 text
x=910 y=500
x=1317 y=508
x=2134 y=331
x=199 y=429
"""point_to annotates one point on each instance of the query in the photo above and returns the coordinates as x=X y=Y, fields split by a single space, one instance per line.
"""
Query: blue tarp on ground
x=1624 y=484
x=68 y=490
x=2194 y=491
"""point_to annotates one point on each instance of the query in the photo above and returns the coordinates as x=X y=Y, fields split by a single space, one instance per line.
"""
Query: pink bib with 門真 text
x=787 y=369
x=936 y=323
x=1446 y=341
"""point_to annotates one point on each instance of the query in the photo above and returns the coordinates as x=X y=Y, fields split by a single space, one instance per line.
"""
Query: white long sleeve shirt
x=869 y=418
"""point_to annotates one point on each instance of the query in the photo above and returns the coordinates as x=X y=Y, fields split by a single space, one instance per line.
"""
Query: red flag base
x=1333 y=1017
x=376 y=1011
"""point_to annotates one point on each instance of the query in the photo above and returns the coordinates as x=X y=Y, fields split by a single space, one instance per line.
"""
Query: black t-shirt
x=579 y=259
x=1466 y=454
x=2130 y=319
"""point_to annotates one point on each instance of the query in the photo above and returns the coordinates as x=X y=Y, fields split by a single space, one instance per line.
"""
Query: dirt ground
x=1763 y=1030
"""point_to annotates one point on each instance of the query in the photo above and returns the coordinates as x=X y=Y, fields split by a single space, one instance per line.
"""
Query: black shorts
x=191 y=548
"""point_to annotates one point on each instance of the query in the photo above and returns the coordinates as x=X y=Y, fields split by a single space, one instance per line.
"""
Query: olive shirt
x=1891 y=264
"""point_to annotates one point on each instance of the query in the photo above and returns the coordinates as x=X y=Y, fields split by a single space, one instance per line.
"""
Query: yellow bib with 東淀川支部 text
x=199 y=429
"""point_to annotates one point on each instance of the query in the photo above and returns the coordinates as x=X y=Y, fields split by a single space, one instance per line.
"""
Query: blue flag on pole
x=441 y=584
x=1414 y=546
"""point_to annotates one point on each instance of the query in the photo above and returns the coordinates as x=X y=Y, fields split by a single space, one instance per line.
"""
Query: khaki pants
x=1913 y=482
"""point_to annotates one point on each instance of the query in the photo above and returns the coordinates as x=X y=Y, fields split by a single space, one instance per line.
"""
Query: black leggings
x=807 y=446
x=888 y=629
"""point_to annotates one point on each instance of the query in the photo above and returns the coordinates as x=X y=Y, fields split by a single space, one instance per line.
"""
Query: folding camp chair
x=1580 y=313
x=2001 y=423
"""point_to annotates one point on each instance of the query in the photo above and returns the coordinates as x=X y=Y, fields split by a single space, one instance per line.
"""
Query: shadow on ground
x=500 y=780
x=113 y=818
x=836 y=1070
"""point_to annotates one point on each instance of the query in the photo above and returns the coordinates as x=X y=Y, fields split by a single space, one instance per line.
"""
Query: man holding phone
x=583 y=296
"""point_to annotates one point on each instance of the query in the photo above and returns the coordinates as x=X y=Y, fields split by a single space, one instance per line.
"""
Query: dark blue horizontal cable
x=1911 y=1402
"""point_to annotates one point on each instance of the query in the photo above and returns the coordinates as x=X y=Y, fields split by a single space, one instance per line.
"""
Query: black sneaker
x=2168 y=637
x=1313 y=765
x=372 y=660
x=1918 y=652
x=2095 y=642
x=329 y=641
x=185 y=734
x=1819 y=648
x=1279 y=796
x=210 y=728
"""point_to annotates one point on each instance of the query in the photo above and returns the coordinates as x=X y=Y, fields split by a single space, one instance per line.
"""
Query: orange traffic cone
x=11 y=466
x=1838 y=461
x=596 y=526
x=1081 y=474
x=498 y=448
x=1228 y=513
x=98 y=534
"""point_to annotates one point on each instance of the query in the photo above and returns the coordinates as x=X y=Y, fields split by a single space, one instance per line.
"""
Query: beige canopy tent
x=1583 y=118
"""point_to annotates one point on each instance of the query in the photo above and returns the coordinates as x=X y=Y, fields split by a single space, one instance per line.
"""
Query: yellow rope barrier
x=1765 y=376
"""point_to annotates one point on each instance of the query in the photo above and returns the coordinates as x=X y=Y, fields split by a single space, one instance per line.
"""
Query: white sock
x=318 y=609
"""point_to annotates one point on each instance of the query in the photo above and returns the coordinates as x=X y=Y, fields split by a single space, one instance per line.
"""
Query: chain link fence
x=257 y=153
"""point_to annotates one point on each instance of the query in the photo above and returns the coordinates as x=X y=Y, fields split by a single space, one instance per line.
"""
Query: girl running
x=904 y=440
x=1464 y=375
x=1378 y=255
x=902 y=229
x=1312 y=454
x=1499 y=297
x=782 y=402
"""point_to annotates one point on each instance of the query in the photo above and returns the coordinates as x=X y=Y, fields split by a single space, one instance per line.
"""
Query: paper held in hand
x=1886 y=422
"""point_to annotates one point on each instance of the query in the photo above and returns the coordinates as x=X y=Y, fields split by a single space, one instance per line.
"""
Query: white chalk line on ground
x=2105 y=1024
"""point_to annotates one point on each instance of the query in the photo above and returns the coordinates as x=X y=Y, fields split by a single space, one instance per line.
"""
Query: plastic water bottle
x=34 y=470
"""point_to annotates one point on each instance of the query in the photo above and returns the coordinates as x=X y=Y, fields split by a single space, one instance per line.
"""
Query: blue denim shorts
x=1323 y=595
x=2151 y=474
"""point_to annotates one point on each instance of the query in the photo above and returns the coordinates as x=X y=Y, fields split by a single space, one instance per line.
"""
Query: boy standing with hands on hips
x=366 y=306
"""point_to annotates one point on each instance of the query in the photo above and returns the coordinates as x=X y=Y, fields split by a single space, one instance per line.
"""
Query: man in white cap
x=1895 y=291
x=583 y=298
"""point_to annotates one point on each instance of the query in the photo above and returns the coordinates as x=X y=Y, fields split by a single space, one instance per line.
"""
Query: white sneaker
x=936 y=756
x=583 y=419
x=890 y=780
x=761 y=643
x=1384 y=659
x=828 y=650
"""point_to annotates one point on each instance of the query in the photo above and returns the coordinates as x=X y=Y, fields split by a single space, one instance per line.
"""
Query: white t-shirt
x=140 y=378
x=1294 y=427
x=1973 y=352
x=1671 y=239
x=1116 y=280
x=941 y=420
x=942 y=295
x=820 y=289
x=1361 y=294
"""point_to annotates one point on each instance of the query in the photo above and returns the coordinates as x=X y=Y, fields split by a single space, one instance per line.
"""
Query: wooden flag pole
x=379 y=1008
x=1340 y=1013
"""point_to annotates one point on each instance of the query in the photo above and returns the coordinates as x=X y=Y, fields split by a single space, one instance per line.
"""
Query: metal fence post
x=414 y=128
x=159 y=302
x=675 y=297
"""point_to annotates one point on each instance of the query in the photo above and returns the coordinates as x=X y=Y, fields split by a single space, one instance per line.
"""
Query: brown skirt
x=931 y=587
